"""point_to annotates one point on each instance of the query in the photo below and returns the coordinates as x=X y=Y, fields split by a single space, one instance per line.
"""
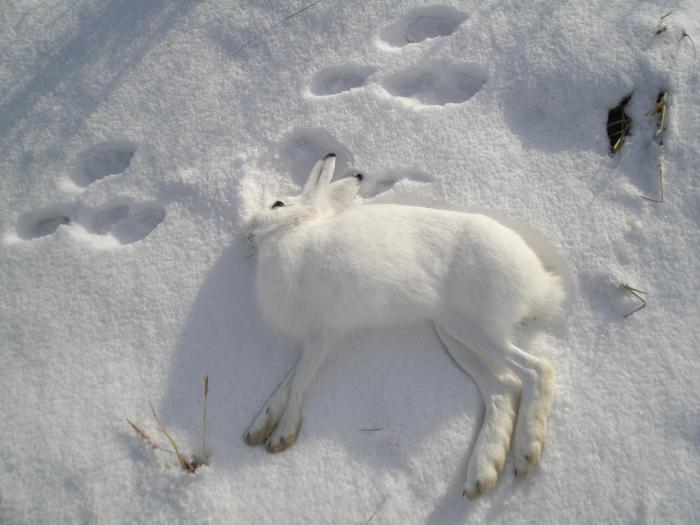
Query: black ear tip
x=359 y=176
x=329 y=156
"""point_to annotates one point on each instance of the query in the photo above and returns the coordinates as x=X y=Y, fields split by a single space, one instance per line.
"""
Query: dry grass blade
x=662 y=29
x=661 y=185
x=149 y=441
x=636 y=293
x=376 y=509
x=140 y=432
x=686 y=35
x=183 y=459
x=659 y=110
x=204 y=420
x=275 y=26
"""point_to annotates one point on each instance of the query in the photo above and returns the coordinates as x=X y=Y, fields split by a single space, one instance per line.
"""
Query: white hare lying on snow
x=326 y=268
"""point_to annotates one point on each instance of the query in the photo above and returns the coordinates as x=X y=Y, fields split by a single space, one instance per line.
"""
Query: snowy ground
x=135 y=139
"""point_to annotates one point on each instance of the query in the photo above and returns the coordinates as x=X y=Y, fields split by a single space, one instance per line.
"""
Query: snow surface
x=136 y=138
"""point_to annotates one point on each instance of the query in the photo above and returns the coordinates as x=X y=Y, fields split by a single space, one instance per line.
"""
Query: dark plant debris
x=619 y=124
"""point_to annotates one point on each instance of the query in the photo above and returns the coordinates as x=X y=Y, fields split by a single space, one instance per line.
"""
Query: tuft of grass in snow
x=659 y=110
x=187 y=463
x=635 y=292
x=662 y=27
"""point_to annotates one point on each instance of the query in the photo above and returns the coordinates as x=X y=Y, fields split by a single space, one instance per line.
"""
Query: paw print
x=121 y=220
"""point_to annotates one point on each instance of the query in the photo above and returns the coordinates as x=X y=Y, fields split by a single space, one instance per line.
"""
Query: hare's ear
x=320 y=176
x=342 y=192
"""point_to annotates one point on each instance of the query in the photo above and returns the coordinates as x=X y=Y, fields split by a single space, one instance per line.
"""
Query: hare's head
x=320 y=198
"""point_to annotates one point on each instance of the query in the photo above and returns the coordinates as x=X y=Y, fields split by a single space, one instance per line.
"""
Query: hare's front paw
x=531 y=427
x=261 y=427
x=266 y=420
x=285 y=433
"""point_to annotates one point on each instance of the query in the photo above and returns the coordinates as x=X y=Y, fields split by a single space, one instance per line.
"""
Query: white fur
x=326 y=267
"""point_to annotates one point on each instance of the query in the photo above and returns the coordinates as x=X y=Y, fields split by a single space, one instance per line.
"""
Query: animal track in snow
x=128 y=222
x=421 y=24
x=375 y=184
x=337 y=79
x=122 y=220
x=437 y=82
x=102 y=160
x=42 y=222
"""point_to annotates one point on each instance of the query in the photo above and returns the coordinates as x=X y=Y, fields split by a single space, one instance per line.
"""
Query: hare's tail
x=550 y=298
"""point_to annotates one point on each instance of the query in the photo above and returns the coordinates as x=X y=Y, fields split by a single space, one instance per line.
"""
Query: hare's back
x=428 y=236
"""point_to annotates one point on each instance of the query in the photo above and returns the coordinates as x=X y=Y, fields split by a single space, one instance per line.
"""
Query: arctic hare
x=326 y=267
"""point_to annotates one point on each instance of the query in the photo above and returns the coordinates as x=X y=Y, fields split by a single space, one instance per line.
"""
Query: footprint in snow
x=381 y=182
x=337 y=79
x=437 y=82
x=128 y=222
x=41 y=222
x=125 y=221
x=102 y=160
x=421 y=24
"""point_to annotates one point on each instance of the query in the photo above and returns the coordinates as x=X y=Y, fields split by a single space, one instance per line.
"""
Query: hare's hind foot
x=531 y=427
x=492 y=446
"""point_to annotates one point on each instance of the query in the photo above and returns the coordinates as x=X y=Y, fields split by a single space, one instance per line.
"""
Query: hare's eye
x=277 y=204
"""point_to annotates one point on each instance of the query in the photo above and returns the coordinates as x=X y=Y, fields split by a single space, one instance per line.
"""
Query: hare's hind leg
x=501 y=394
x=271 y=412
x=537 y=377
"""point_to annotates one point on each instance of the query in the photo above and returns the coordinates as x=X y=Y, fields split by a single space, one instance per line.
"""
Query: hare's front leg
x=270 y=414
x=285 y=433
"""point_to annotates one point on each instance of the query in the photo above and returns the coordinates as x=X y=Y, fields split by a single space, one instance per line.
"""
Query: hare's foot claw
x=262 y=426
x=486 y=480
x=285 y=433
